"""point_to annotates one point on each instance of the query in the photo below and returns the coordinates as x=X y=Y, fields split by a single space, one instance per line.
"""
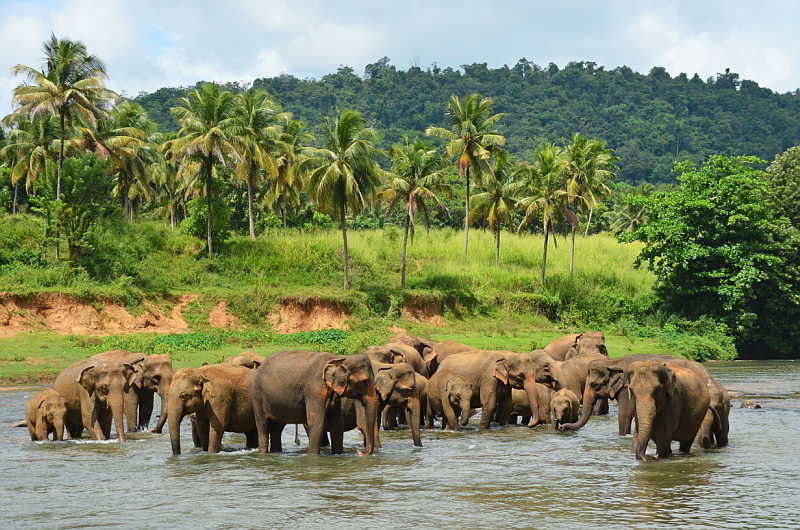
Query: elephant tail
x=296 y=434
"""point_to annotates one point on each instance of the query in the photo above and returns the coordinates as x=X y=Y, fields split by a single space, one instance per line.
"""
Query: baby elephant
x=45 y=414
x=450 y=396
x=564 y=406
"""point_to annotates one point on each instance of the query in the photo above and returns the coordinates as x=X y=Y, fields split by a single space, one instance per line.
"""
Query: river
x=510 y=476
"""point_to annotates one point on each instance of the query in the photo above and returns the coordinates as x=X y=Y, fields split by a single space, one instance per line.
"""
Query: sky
x=147 y=44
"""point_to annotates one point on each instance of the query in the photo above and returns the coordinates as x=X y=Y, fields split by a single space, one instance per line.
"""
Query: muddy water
x=506 y=476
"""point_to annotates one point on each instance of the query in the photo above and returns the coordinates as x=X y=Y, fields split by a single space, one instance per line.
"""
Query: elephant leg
x=275 y=431
x=389 y=419
x=202 y=425
x=449 y=416
x=686 y=446
x=428 y=414
x=525 y=420
x=131 y=408
x=261 y=425
x=315 y=416
x=335 y=427
x=215 y=432
x=504 y=411
x=625 y=413
x=600 y=407
x=104 y=418
x=663 y=446
x=74 y=428
x=489 y=404
x=252 y=439
x=146 y=399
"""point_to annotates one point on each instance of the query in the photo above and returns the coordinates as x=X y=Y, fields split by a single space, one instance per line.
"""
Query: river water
x=503 y=477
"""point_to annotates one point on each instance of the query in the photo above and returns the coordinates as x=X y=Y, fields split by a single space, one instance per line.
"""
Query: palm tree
x=347 y=174
x=205 y=117
x=255 y=130
x=29 y=149
x=589 y=165
x=496 y=204
x=416 y=177
x=283 y=190
x=629 y=216
x=545 y=194
x=470 y=140
x=123 y=139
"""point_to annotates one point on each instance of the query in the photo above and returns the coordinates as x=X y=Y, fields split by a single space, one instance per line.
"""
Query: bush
x=22 y=240
x=196 y=223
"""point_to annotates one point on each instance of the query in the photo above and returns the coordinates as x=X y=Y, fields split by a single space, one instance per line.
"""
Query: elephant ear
x=616 y=381
x=383 y=382
x=571 y=352
x=397 y=356
x=131 y=374
x=329 y=375
x=666 y=377
x=86 y=379
x=603 y=349
x=501 y=371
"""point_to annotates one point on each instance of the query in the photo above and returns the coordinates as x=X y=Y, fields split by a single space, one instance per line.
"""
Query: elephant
x=434 y=355
x=605 y=380
x=44 y=415
x=94 y=391
x=589 y=342
x=155 y=375
x=521 y=405
x=715 y=426
x=248 y=359
x=306 y=387
x=488 y=374
x=451 y=396
x=671 y=402
x=564 y=407
x=418 y=343
x=399 y=387
x=219 y=397
x=569 y=374
x=396 y=352
x=559 y=347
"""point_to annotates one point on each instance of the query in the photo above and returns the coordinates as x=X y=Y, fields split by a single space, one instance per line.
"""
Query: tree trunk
x=345 y=255
x=572 y=253
x=404 y=259
x=497 y=247
x=591 y=210
x=16 y=193
x=250 y=208
x=58 y=180
x=209 y=216
x=171 y=210
x=466 y=219
x=283 y=215
x=544 y=254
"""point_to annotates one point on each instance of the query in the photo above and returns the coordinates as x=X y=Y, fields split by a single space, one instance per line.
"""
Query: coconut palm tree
x=345 y=174
x=470 y=140
x=255 y=130
x=496 y=204
x=283 y=191
x=544 y=194
x=205 y=117
x=416 y=179
x=29 y=149
x=589 y=166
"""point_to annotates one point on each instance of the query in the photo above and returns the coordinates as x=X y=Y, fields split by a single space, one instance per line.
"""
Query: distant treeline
x=649 y=120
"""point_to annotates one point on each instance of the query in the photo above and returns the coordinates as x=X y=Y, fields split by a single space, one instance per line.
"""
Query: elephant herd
x=409 y=380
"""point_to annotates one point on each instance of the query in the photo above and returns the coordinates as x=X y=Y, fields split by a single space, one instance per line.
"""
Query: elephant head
x=352 y=377
x=587 y=343
x=50 y=414
x=248 y=359
x=108 y=382
x=605 y=380
x=653 y=385
x=185 y=396
x=524 y=371
x=156 y=376
x=458 y=394
x=417 y=343
x=714 y=428
x=401 y=379
x=562 y=407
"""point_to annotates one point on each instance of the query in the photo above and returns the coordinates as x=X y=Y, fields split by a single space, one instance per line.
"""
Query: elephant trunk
x=589 y=399
x=175 y=417
x=705 y=435
x=163 y=392
x=58 y=429
x=117 y=405
x=414 y=421
x=645 y=413
x=533 y=399
x=370 y=402
x=464 y=413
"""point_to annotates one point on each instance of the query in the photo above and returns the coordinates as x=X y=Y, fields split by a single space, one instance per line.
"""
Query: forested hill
x=649 y=119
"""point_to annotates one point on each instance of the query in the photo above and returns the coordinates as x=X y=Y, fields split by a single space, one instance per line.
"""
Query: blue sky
x=148 y=44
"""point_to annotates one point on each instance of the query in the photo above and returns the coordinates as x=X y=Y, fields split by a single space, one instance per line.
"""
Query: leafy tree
x=416 y=179
x=783 y=175
x=471 y=137
x=346 y=173
x=29 y=149
x=283 y=190
x=255 y=130
x=543 y=194
x=497 y=203
x=205 y=136
x=720 y=249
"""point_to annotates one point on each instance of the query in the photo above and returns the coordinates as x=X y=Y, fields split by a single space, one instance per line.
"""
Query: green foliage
x=21 y=240
x=196 y=223
x=720 y=249
x=783 y=176
x=649 y=119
